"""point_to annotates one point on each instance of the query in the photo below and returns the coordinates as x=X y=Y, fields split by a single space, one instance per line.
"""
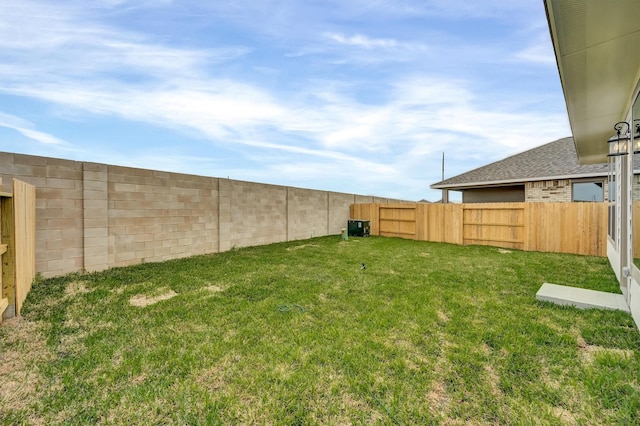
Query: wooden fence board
x=579 y=228
x=24 y=205
x=453 y=223
x=397 y=221
x=500 y=225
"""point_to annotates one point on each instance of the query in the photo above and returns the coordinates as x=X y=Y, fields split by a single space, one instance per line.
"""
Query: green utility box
x=359 y=228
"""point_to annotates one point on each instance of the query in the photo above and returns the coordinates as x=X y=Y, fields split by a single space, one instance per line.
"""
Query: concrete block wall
x=308 y=214
x=338 y=216
x=258 y=213
x=95 y=216
x=92 y=216
x=59 y=208
x=154 y=216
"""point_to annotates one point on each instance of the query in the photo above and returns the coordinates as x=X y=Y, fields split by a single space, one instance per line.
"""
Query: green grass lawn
x=297 y=333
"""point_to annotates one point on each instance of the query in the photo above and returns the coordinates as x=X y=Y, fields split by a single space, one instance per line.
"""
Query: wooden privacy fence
x=579 y=228
x=17 y=246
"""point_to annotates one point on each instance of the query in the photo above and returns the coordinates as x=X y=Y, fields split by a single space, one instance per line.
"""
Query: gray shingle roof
x=554 y=160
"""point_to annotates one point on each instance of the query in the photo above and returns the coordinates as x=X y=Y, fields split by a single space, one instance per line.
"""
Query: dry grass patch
x=590 y=352
x=301 y=246
x=22 y=349
x=564 y=415
x=493 y=379
x=76 y=287
x=442 y=316
x=142 y=300
x=437 y=397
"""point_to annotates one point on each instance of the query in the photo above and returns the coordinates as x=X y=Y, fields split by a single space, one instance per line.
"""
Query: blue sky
x=358 y=96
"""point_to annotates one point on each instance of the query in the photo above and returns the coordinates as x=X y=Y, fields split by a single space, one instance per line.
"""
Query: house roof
x=554 y=160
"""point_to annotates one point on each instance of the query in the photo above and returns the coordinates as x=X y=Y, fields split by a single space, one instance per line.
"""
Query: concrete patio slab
x=581 y=298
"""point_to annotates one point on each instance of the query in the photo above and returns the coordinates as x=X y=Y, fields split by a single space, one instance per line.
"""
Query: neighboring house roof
x=555 y=160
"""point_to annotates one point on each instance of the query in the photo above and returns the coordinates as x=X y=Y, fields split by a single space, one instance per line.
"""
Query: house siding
x=509 y=194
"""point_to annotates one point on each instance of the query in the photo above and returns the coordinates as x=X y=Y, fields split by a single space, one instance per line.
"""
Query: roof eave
x=597 y=49
x=471 y=185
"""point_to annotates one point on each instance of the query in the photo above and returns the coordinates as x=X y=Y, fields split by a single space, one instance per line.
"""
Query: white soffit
x=597 y=47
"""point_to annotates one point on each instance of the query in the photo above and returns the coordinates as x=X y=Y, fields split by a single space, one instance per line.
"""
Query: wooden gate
x=17 y=246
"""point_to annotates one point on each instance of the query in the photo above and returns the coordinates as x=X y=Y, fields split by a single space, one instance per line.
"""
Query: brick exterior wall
x=93 y=216
x=554 y=191
x=548 y=191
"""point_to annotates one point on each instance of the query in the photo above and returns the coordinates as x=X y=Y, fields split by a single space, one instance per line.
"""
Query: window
x=612 y=191
x=588 y=191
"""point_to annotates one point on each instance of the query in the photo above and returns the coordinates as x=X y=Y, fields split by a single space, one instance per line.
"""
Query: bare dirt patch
x=214 y=288
x=142 y=300
x=442 y=317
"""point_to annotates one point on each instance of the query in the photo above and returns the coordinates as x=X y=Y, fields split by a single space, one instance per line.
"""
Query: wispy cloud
x=27 y=129
x=367 y=120
x=537 y=54
x=62 y=42
x=362 y=41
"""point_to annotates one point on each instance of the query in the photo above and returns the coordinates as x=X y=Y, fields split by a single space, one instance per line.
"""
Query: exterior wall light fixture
x=618 y=142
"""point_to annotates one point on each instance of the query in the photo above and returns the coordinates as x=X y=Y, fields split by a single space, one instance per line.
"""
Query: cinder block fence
x=93 y=216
